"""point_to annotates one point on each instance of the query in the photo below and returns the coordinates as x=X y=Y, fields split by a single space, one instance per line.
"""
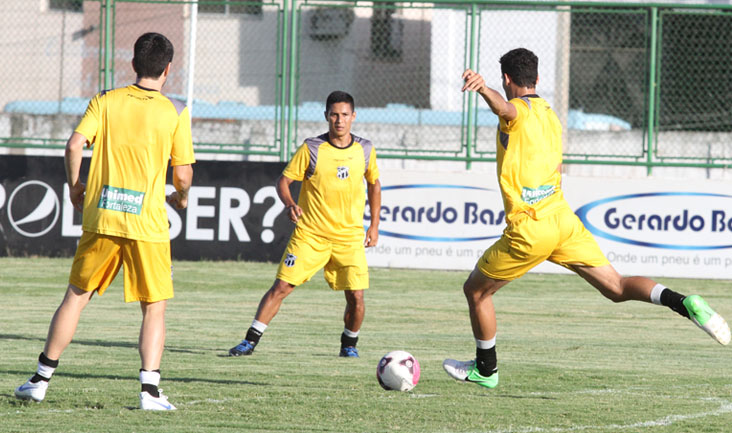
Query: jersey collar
x=327 y=139
x=143 y=88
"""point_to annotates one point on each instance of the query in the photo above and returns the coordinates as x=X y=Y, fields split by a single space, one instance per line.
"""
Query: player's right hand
x=293 y=212
x=473 y=81
x=76 y=195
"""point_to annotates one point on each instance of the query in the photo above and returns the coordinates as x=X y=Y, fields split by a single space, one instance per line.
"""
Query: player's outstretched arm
x=182 y=180
x=474 y=83
x=72 y=163
x=374 y=194
x=283 y=191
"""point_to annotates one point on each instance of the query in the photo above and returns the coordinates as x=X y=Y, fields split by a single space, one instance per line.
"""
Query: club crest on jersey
x=342 y=173
x=290 y=260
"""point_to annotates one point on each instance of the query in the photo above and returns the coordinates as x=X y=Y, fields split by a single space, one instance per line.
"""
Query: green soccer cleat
x=707 y=319
x=467 y=371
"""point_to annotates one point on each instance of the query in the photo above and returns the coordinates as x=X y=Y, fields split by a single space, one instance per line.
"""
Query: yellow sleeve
x=89 y=123
x=372 y=171
x=182 y=150
x=298 y=165
x=522 y=110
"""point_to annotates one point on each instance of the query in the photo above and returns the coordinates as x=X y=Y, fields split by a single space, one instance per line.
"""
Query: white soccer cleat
x=718 y=329
x=32 y=391
x=467 y=371
x=148 y=402
x=458 y=370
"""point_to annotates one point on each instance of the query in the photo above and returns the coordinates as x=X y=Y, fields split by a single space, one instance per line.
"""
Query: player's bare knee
x=354 y=298
x=468 y=290
x=280 y=289
x=472 y=293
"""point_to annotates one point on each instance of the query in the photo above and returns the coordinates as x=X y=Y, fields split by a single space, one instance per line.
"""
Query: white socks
x=350 y=333
x=44 y=370
x=259 y=326
x=150 y=377
x=656 y=294
x=485 y=344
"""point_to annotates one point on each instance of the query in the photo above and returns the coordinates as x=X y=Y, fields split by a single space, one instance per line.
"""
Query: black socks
x=485 y=360
x=347 y=341
x=674 y=301
x=253 y=336
x=150 y=389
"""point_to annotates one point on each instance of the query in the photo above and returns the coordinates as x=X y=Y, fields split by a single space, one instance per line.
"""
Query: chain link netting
x=50 y=68
x=401 y=61
x=695 y=84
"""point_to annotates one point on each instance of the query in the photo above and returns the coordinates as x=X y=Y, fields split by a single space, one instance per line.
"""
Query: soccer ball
x=398 y=370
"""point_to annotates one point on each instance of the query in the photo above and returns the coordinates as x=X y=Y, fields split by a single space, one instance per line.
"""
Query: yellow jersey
x=529 y=153
x=333 y=194
x=135 y=132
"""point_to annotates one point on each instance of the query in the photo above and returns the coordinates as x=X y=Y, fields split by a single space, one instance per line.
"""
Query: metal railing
x=634 y=84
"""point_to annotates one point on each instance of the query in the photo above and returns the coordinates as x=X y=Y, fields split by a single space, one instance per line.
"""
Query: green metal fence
x=634 y=84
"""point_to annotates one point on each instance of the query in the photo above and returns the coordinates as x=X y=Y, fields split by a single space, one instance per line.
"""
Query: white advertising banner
x=645 y=226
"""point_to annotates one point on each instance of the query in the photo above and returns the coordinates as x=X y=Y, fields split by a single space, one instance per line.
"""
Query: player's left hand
x=177 y=200
x=372 y=237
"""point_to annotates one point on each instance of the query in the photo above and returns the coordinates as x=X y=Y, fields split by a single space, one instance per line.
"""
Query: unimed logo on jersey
x=669 y=220
x=121 y=200
x=440 y=213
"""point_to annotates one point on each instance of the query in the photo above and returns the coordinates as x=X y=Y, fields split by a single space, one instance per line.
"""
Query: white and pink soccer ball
x=398 y=371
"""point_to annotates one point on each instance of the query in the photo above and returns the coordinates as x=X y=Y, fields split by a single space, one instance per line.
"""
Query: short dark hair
x=153 y=52
x=522 y=66
x=339 y=96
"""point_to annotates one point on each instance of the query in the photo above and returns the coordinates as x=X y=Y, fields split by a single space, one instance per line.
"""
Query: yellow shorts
x=560 y=238
x=344 y=263
x=148 y=269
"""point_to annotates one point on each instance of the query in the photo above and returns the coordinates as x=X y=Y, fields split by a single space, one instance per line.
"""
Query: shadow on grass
x=103 y=343
x=131 y=377
x=520 y=397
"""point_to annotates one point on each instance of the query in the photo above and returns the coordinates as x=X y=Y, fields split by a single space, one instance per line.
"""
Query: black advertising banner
x=233 y=211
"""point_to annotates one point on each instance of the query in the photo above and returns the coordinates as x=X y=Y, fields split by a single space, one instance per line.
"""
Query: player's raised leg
x=483 y=370
x=619 y=289
x=269 y=305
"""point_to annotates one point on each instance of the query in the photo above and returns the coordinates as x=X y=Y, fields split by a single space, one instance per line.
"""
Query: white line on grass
x=725 y=406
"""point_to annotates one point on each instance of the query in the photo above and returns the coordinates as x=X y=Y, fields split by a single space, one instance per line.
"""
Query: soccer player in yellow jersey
x=540 y=224
x=136 y=133
x=329 y=217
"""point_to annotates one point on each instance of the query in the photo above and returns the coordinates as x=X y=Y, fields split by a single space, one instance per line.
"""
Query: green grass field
x=570 y=361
